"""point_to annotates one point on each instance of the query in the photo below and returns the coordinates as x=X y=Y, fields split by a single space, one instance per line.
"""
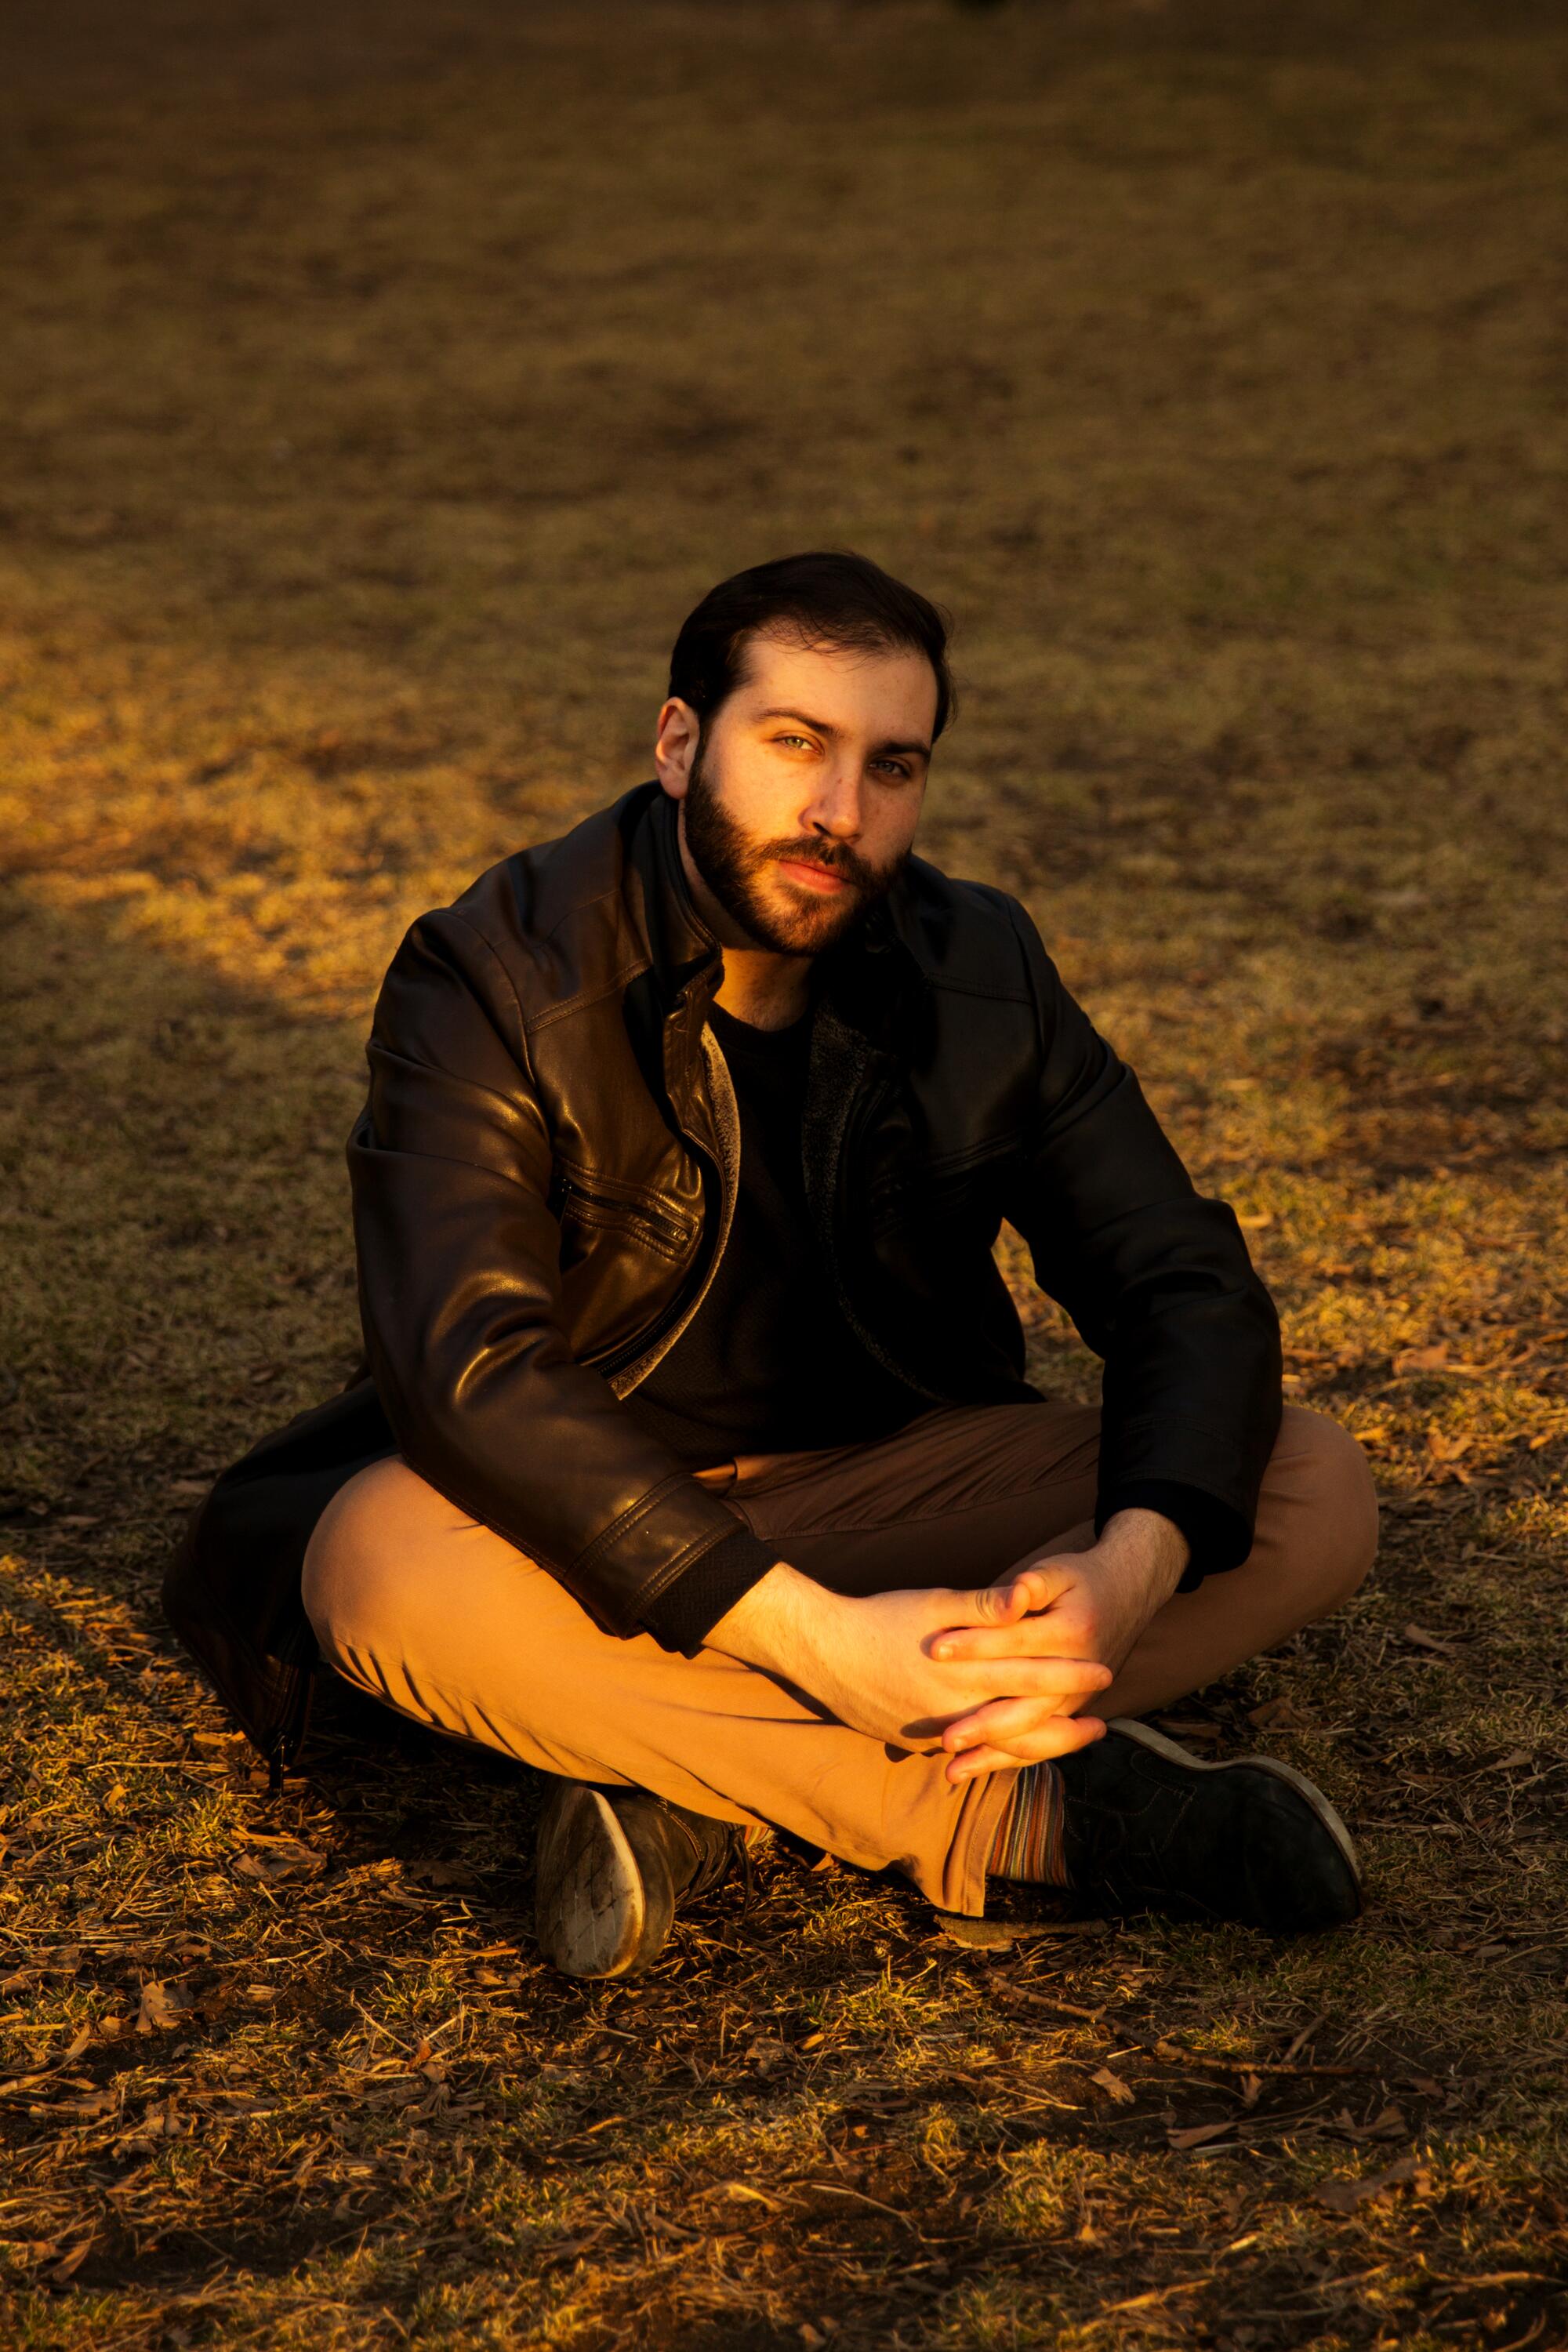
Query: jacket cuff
x=1218 y=1537
x=685 y=1611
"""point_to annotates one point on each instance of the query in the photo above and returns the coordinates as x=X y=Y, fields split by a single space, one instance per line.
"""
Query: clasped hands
x=994 y=1676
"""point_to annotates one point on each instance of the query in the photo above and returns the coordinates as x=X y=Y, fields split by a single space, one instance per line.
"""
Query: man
x=695 y=1464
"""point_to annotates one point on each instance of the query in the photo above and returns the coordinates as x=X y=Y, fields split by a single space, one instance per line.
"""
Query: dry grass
x=379 y=386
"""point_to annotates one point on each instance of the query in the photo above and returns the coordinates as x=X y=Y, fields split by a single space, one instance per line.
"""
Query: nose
x=836 y=804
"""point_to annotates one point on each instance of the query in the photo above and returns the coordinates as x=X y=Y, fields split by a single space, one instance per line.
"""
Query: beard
x=735 y=866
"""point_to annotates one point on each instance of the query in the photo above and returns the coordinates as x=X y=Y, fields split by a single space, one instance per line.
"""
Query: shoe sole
x=1142 y=1737
x=589 y=1906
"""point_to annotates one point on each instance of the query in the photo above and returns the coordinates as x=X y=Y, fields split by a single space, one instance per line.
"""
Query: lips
x=812 y=877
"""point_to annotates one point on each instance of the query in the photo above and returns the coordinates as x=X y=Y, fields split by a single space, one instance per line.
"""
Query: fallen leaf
x=72 y=2263
x=448 y=1874
x=742 y=2193
x=282 y=1857
x=1422 y=1359
x=1256 y=1224
x=163 y=2006
x=979 y=1934
x=1424 y=1641
x=95 y=2104
x=1347 y=2196
x=1002 y=1934
x=1197 y=2135
x=1119 y=2091
x=190 y=1486
x=1153 y=2294
x=1277 y=1714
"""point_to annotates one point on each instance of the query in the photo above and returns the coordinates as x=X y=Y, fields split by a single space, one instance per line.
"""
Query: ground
x=381 y=385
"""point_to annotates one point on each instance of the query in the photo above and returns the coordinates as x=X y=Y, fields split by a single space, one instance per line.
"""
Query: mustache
x=835 y=857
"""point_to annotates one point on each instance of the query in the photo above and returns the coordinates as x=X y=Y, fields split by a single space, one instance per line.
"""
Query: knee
x=351 y=1559
x=1335 y=1523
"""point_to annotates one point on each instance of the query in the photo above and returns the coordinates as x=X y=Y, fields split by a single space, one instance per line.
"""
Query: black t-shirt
x=768 y=1363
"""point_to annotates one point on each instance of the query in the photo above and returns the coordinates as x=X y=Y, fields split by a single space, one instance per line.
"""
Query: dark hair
x=826 y=598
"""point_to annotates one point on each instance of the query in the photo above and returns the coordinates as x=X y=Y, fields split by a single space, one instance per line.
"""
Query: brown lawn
x=380 y=386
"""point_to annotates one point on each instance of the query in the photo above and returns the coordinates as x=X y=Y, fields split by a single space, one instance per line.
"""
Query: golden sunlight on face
x=820 y=746
x=827 y=742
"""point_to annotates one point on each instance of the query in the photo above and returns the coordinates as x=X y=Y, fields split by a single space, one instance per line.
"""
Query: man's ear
x=675 y=752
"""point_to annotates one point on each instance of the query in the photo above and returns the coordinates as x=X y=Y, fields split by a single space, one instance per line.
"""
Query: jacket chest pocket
x=962 y=1190
x=593 y=1210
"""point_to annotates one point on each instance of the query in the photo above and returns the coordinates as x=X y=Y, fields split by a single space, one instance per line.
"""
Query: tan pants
x=442 y=1619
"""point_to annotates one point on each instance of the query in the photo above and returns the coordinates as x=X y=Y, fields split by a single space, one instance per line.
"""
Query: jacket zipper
x=683 y=1305
x=630 y=1349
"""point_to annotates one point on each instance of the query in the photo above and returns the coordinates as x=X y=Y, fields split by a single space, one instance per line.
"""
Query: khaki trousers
x=445 y=1622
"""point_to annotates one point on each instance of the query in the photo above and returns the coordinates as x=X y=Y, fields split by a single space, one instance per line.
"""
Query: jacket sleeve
x=1157 y=1280
x=458 y=1258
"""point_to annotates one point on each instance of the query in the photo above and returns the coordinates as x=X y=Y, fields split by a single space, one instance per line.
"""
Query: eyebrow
x=826 y=727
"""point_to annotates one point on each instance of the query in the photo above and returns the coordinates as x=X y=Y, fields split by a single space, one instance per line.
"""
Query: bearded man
x=694 y=1463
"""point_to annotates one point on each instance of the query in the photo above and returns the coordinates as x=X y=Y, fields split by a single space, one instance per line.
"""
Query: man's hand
x=878 y=1665
x=1090 y=1604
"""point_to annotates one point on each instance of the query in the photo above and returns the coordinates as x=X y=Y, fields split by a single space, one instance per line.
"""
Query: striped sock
x=1028 y=1844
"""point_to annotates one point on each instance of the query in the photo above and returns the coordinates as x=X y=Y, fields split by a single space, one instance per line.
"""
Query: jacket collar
x=679 y=943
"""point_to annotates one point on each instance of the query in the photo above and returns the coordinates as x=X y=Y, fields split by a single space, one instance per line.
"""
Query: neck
x=759 y=985
x=768 y=990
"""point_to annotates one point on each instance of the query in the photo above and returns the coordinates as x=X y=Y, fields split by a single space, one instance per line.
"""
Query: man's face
x=801 y=805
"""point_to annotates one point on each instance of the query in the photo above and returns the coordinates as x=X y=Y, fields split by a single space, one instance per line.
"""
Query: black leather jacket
x=543 y=1176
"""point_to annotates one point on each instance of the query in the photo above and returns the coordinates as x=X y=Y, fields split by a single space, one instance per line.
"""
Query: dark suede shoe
x=611 y=1865
x=1149 y=1828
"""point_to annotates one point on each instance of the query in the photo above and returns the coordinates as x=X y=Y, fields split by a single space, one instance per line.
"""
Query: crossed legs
x=445 y=1622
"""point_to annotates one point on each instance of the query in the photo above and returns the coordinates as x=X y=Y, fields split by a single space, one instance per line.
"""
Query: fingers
x=1016 y=1595
x=1012 y=1723
x=977 y=1760
x=1047 y=1581
x=1042 y=1687
x=995 y=1604
x=1062 y=1734
x=1063 y=1633
x=1030 y=1680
